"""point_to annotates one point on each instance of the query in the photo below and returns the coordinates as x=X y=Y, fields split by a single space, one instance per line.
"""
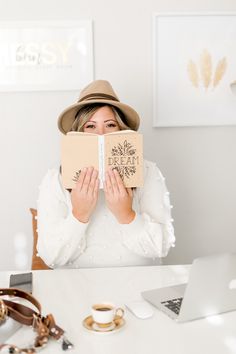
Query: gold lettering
x=64 y=50
x=49 y=55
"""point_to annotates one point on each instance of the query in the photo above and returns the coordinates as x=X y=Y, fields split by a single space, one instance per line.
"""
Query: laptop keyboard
x=173 y=305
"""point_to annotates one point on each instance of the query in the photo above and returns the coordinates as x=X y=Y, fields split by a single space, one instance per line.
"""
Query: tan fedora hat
x=98 y=91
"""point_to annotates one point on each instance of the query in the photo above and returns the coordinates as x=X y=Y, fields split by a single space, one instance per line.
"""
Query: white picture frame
x=46 y=56
x=194 y=68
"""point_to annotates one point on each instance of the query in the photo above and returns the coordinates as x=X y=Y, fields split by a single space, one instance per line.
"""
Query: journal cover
x=122 y=150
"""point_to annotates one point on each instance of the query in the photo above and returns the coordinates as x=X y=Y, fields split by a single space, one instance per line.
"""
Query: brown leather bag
x=45 y=326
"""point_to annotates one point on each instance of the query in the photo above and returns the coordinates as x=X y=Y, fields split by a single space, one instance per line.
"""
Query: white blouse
x=63 y=241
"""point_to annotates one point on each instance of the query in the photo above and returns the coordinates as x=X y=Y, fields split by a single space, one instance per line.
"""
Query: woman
x=117 y=226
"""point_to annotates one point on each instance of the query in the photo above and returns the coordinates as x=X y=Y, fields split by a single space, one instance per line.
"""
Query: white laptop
x=211 y=289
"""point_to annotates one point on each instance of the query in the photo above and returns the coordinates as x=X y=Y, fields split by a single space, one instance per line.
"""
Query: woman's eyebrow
x=105 y=121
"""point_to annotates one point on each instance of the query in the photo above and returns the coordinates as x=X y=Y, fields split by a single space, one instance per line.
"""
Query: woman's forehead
x=103 y=114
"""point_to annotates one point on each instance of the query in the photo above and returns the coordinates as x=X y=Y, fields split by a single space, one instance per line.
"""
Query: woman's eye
x=111 y=125
x=90 y=126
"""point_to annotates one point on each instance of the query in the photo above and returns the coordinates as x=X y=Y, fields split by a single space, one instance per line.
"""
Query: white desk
x=68 y=295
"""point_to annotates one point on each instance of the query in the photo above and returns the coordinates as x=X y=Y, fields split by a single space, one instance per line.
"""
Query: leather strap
x=19 y=312
x=22 y=294
x=45 y=326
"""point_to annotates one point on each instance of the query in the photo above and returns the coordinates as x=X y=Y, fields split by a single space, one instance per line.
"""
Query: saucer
x=90 y=325
x=107 y=328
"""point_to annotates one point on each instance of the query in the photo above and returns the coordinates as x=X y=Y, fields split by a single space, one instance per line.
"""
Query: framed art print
x=194 y=69
x=45 y=55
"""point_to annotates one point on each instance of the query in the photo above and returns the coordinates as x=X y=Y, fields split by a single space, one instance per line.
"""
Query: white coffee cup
x=104 y=314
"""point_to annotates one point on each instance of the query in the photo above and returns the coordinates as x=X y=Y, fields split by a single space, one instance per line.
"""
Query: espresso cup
x=104 y=314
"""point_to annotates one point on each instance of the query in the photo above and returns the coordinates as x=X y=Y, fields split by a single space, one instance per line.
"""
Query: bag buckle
x=3 y=311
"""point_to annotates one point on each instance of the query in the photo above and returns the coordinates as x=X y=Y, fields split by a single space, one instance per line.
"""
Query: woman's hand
x=118 y=198
x=84 y=196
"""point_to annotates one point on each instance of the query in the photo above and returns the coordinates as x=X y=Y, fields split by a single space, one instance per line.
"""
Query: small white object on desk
x=141 y=309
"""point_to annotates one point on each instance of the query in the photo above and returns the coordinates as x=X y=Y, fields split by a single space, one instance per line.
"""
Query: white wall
x=199 y=163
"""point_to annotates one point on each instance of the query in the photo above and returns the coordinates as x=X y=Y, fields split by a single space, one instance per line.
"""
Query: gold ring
x=3 y=311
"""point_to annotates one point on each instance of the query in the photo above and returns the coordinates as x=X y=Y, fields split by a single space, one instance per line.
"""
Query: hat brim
x=67 y=117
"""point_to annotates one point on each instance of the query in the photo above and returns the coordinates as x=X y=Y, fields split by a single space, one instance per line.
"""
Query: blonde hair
x=86 y=112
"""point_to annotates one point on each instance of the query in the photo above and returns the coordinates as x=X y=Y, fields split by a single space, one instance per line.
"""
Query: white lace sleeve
x=151 y=233
x=61 y=237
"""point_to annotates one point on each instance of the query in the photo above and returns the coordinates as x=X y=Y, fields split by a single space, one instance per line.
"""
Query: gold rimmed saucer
x=90 y=325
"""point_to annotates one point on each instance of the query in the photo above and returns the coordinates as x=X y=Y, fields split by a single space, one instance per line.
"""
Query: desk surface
x=69 y=294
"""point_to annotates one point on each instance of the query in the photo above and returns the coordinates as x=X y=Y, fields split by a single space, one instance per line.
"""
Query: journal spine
x=101 y=161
